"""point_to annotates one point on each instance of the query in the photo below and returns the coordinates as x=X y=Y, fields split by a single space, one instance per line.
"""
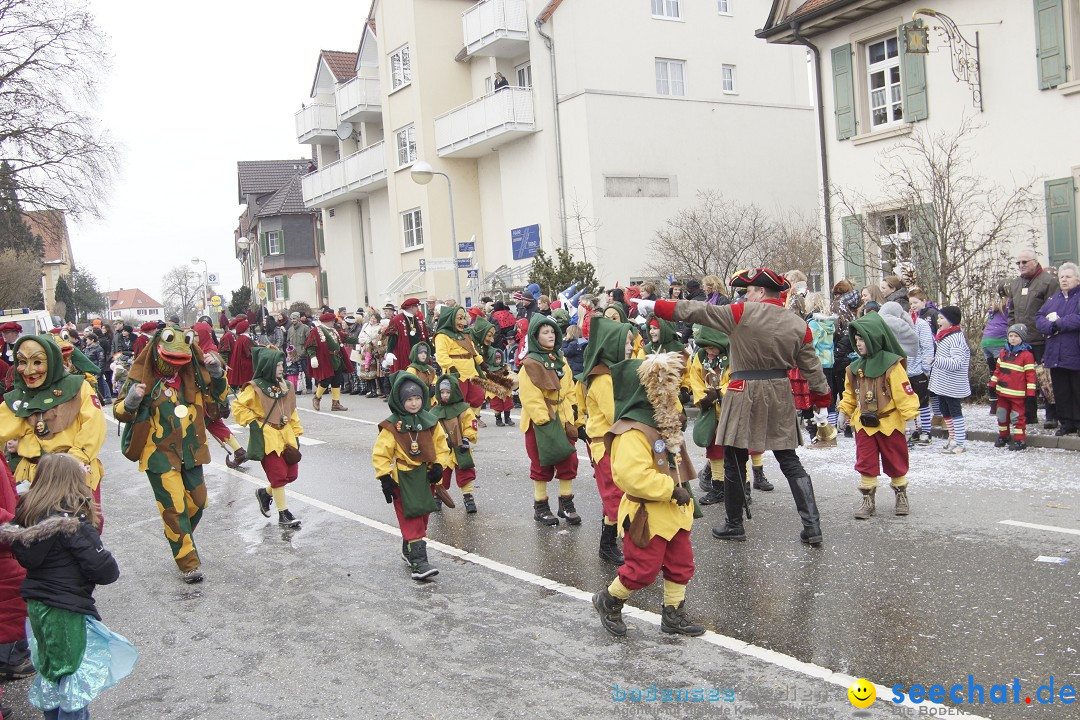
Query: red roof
x=808 y=7
x=341 y=64
x=130 y=298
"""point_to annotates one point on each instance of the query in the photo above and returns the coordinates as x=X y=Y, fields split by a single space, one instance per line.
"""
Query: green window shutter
x=264 y=244
x=843 y=92
x=322 y=240
x=325 y=289
x=286 y=288
x=913 y=77
x=1050 y=42
x=1061 y=220
x=924 y=249
x=854 y=250
x=281 y=242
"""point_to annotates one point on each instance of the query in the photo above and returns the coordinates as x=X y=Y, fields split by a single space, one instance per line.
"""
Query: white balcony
x=476 y=128
x=496 y=28
x=316 y=124
x=350 y=178
x=358 y=100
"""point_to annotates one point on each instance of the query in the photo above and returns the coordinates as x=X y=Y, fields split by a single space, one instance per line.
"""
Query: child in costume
x=457 y=355
x=1013 y=381
x=610 y=343
x=410 y=453
x=420 y=366
x=879 y=400
x=458 y=420
x=617 y=311
x=652 y=468
x=547 y=393
x=55 y=537
x=949 y=377
x=267 y=407
x=495 y=377
x=709 y=375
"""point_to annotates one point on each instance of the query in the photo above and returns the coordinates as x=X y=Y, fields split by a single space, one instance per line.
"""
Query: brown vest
x=58 y=419
x=404 y=440
x=276 y=412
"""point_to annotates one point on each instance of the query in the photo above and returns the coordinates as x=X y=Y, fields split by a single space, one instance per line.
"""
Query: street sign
x=262 y=295
x=436 y=264
x=468 y=246
x=463 y=263
x=261 y=286
x=474 y=273
x=212 y=279
x=525 y=241
x=215 y=300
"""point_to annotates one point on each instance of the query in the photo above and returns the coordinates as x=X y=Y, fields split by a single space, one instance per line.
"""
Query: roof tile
x=130 y=298
x=342 y=64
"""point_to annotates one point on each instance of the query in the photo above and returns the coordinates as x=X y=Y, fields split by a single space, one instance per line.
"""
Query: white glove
x=389 y=359
x=841 y=421
x=314 y=363
x=1052 y=317
x=821 y=416
x=644 y=307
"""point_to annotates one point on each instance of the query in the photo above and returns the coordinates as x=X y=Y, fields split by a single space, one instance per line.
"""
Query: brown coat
x=760 y=414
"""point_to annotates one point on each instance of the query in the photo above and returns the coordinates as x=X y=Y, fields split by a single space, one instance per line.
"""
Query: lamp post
x=421 y=173
x=205 y=283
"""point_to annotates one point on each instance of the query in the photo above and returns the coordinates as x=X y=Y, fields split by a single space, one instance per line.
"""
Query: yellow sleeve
x=11 y=427
x=533 y=407
x=468 y=425
x=442 y=352
x=382 y=456
x=600 y=402
x=697 y=379
x=847 y=402
x=443 y=455
x=247 y=408
x=905 y=399
x=294 y=423
x=632 y=468
x=91 y=434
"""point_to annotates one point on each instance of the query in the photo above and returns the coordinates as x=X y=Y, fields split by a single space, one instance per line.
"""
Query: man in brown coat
x=1027 y=294
x=758 y=412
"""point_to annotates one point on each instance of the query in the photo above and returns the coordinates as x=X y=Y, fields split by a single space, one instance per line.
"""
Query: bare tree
x=581 y=226
x=51 y=58
x=20 y=280
x=180 y=289
x=796 y=243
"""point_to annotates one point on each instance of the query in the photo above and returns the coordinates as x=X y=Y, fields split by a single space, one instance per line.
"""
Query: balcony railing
x=316 y=124
x=358 y=99
x=350 y=178
x=485 y=123
x=497 y=28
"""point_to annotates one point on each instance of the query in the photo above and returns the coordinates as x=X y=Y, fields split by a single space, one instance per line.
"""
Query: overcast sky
x=193 y=88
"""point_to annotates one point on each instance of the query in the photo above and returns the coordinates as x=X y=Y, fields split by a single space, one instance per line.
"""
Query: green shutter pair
x=924 y=248
x=322 y=240
x=1061 y=220
x=1050 y=43
x=912 y=79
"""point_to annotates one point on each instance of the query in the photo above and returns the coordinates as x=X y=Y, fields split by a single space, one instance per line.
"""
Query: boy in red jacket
x=1014 y=382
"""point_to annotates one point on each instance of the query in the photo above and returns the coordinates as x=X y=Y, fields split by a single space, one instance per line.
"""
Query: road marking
x=1036 y=526
x=729 y=643
x=338 y=416
x=310 y=441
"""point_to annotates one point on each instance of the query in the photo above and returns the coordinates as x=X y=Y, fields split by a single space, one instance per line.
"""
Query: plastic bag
x=109 y=658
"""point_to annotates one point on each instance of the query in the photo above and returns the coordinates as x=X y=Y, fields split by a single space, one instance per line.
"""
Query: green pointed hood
x=414 y=422
x=414 y=357
x=607 y=345
x=83 y=364
x=551 y=359
x=631 y=400
x=708 y=337
x=882 y=348
x=479 y=330
x=264 y=361
x=669 y=337
x=446 y=325
x=453 y=407
x=59 y=386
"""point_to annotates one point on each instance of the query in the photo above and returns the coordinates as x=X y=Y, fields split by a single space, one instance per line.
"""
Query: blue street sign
x=464 y=263
x=474 y=274
x=525 y=241
x=468 y=302
x=468 y=246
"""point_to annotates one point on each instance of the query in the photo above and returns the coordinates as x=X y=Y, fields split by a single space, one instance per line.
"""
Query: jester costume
x=458 y=420
x=240 y=364
x=267 y=407
x=163 y=403
x=74 y=361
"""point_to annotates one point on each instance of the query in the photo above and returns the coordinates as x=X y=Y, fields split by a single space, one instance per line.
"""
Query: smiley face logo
x=862 y=693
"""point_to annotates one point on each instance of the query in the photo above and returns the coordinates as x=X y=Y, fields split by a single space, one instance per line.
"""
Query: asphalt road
x=324 y=622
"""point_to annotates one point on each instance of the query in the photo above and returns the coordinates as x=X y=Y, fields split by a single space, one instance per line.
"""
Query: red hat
x=57 y=331
x=327 y=317
x=11 y=327
x=234 y=321
x=411 y=302
x=654 y=322
x=242 y=326
x=760 y=277
x=148 y=327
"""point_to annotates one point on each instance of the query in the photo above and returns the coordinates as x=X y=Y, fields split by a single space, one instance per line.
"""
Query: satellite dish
x=344 y=131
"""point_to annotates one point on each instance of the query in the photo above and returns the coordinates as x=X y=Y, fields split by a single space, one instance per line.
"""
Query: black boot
x=384 y=387
x=674 y=621
x=286 y=519
x=498 y=420
x=734 y=506
x=373 y=388
x=760 y=481
x=705 y=478
x=418 y=562
x=405 y=550
x=470 y=504
x=567 y=510
x=802 y=489
x=609 y=544
x=715 y=495
x=506 y=418
x=610 y=609
x=347 y=384
x=542 y=513
x=357 y=385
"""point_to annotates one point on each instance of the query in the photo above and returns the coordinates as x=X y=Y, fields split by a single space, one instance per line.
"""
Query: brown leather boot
x=336 y=406
x=867 y=506
x=315 y=402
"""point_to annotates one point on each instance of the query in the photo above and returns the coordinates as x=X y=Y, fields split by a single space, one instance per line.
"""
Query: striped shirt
x=920 y=364
x=949 y=374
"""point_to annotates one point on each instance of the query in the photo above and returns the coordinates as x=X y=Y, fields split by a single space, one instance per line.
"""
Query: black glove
x=464 y=445
x=387 y=488
x=685 y=396
x=708 y=400
x=434 y=474
x=680 y=495
x=582 y=435
x=682 y=421
x=224 y=411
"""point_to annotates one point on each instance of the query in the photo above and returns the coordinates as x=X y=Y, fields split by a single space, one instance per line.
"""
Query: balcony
x=316 y=124
x=350 y=178
x=358 y=100
x=484 y=124
x=496 y=28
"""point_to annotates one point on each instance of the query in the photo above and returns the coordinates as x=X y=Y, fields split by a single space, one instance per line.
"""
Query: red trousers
x=566 y=470
x=891 y=450
x=610 y=494
x=464 y=477
x=499 y=404
x=472 y=392
x=1012 y=409
x=279 y=472
x=411 y=528
x=219 y=429
x=675 y=557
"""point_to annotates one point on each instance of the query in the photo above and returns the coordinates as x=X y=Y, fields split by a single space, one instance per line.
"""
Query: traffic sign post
x=436 y=264
x=473 y=274
x=469 y=246
x=464 y=263
x=215 y=301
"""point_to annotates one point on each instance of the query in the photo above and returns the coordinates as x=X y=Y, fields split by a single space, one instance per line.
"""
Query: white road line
x=337 y=416
x=1036 y=526
x=729 y=643
x=310 y=441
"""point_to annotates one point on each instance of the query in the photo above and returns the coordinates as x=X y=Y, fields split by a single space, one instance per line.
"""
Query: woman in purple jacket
x=1059 y=320
x=993 y=339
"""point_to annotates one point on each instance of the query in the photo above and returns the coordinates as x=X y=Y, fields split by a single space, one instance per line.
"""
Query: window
x=723 y=7
x=1057 y=37
x=412 y=228
x=666 y=9
x=894 y=229
x=489 y=85
x=524 y=75
x=406 y=145
x=670 y=77
x=637 y=186
x=729 y=78
x=400 y=68
x=273 y=243
x=279 y=288
x=883 y=78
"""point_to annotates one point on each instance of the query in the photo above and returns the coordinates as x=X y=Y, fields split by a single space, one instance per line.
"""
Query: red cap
x=242 y=326
x=11 y=327
x=234 y=321
x=411 y=302
x=148 y=327
x=328 y=317
x=654 y=323
x=57 y=331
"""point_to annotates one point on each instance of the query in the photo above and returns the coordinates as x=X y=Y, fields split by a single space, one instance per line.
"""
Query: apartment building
x=1022 y=99
x=613 y=116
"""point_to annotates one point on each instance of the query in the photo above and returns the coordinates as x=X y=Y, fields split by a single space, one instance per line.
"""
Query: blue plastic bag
x=109 y=658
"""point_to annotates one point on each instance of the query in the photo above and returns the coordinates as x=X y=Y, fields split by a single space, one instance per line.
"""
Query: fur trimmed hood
x=63 y=524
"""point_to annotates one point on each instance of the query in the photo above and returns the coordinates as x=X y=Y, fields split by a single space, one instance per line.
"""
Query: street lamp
x=422 y=172
x=206 y=281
